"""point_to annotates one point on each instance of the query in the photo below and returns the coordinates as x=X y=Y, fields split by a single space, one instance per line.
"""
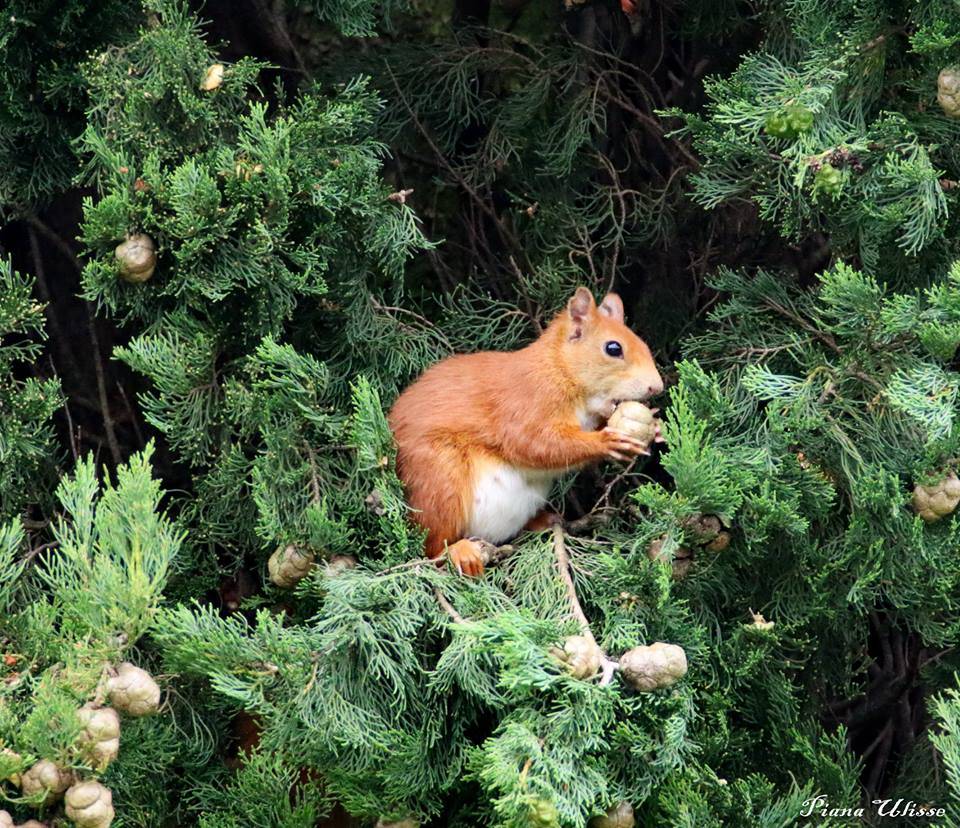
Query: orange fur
x=532 y=410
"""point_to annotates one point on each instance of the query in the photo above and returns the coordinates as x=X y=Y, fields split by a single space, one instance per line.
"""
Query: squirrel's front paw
x=466 y=557
x=621 y=446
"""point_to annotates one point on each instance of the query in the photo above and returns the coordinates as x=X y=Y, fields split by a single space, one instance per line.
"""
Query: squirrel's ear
x=581 y=305
x=612 y=307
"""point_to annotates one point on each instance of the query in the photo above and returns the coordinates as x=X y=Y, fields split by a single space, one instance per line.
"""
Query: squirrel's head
x=611 y=362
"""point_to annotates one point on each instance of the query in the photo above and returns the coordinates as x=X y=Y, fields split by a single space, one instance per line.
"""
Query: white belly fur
x=504 y=498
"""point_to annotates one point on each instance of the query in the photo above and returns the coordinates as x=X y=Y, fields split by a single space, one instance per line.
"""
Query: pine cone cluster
x=133 y=691
x=705 y=533
x=681 y=561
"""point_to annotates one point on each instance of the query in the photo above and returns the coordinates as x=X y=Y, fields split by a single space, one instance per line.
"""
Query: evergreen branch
x=30 y=554
x=816 y=333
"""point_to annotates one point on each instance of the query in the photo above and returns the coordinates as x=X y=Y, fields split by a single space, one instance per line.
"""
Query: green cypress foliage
x=873 y=160
x=27 y=455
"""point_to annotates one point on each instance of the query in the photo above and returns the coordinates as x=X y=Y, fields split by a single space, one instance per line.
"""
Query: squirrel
x=481 y=437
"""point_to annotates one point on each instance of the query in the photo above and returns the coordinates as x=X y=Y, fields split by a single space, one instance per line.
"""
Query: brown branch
x=622 y=201
x=563 y=568
x=815 y=332
x=507 y=237
x=447 y=606
x=132 y=414
x=55 y=239
x=313 y=677
x=31 y=554
x=54 y=321
x=590 y=520
x=393 y=310
x=112 y=442
x=67 y=252
x=314 y=483
x=608 y=667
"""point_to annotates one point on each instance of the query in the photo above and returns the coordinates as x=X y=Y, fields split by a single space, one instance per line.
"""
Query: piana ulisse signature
x=820 y=806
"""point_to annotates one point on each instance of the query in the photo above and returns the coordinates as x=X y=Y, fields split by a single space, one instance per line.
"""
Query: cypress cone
x=653 y=667
x=948 y=91
x=288 y=565
x=581 y=655
x=543 y=814
x=101 y=734
x=703 y=528
x=46 y=776
x=935 y=502
x=619 y=816
x=133 y=691
x=212 y=78
x=635 y=419
x=137 y=257
x=89 y=804
x=682 y=557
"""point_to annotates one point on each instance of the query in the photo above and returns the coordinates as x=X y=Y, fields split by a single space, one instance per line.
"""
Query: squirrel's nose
x=655 y=388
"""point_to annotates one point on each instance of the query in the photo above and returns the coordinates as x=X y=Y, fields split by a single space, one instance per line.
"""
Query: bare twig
x=31 y=554
x=51 y=235
x=608 y=666
x=620 y=194
x=132 y=414
x=592 y=519
x=509 y=240
x=43 y=288
x=55 y=239
x=314 y=482
x=563 y=569
x=313 y=676
x=112 y=442
x=815 y=332
x=447 y=606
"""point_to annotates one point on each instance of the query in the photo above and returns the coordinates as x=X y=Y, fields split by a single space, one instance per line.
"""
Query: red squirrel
x=481 y=437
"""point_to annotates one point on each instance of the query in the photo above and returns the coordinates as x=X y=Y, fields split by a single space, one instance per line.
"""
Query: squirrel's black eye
x=614 y=349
